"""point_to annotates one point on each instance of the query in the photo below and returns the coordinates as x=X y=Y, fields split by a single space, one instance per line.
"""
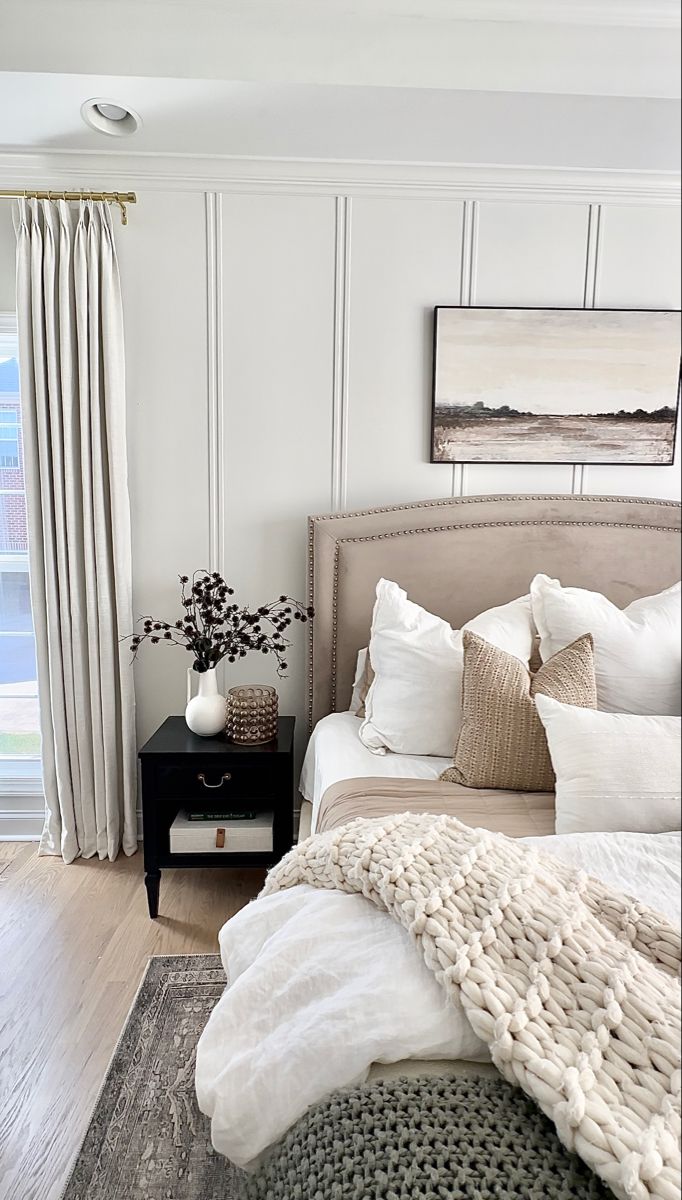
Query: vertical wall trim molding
x=591 y=287
x=214 y=341
x=594 y=222
x=340 y=380
x=578 y=481
x=467 y=297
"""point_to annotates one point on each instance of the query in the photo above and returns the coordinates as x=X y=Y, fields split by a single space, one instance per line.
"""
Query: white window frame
x=8 y=333
x=15 y=426
x=21 y=779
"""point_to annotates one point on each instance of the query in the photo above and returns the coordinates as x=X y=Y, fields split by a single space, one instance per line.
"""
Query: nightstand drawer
x=216 y=782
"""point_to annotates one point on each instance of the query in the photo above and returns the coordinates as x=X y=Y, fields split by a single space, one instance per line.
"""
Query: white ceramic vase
x=205 y=712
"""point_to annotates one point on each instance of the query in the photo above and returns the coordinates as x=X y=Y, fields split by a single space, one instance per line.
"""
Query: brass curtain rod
x=120 y=198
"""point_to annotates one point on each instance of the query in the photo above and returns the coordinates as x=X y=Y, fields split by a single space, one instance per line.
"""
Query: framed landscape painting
x=547 y=385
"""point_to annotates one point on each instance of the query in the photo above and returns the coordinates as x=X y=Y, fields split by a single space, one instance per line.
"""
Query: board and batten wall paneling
x=281 y=353
x=406 y=256
x=279 y=360
x=527 y=254
x=638 y=267
x=639 y=257
x=162 y=255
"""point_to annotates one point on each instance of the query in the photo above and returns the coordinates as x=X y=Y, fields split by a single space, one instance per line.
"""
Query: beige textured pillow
x=502 y=742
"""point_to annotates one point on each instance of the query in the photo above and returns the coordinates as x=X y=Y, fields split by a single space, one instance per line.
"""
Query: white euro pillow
x=414 y=703
x=615 y=772
x=636 y=649
x=356 y=699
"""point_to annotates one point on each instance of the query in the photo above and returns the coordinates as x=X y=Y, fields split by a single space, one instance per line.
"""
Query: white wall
x=163 y=268
x=279 y=353
x=320 y=395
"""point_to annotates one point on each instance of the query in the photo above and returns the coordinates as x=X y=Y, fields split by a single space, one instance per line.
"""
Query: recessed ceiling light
x=108 y=117
x=113 y=112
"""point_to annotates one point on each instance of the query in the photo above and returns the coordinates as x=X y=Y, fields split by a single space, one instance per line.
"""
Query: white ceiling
x=295 y=121
x=577 y=47
x=532 y=82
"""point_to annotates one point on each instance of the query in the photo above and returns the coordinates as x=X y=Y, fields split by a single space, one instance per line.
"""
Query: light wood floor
x=74 y=942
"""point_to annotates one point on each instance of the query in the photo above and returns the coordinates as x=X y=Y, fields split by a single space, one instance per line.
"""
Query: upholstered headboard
x=460 y=557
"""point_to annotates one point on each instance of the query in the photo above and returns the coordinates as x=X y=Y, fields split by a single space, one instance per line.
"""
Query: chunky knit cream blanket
x=574 y=987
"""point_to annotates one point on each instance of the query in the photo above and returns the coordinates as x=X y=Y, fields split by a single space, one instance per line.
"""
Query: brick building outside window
x=19 y=723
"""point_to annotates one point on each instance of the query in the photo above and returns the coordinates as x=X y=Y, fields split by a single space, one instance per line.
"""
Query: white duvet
x=323 y=984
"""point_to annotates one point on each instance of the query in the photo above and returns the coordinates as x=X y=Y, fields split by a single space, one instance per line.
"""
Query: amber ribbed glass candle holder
x=252 y=714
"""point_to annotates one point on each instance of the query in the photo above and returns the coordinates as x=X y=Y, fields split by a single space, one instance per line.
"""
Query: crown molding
x=61 y=169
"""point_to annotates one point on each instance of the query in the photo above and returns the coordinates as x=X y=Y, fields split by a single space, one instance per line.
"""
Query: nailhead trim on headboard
x=449 y=502
x=503 y=498
x=311 y=624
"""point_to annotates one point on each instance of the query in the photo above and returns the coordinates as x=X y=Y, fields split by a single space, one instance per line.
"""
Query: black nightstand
x=183 y=771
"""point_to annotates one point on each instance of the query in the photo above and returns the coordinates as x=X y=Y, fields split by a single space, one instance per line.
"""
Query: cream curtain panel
x=73 y=404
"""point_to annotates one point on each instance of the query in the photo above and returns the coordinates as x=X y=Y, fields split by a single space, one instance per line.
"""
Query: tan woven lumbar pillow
x=502 y=742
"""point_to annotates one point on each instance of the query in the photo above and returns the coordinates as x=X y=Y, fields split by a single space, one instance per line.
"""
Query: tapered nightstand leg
x=152 y=881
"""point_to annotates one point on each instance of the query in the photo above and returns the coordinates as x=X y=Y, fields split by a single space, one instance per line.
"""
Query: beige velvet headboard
x=459 y=557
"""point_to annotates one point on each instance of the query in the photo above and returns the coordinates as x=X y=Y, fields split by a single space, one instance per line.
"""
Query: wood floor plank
x=74 y=943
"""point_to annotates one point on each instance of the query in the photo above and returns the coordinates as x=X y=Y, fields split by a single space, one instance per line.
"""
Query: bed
x=455 y=558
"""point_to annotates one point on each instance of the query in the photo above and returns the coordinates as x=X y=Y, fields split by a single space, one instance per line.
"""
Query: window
x=9 y=437
x=19 y=717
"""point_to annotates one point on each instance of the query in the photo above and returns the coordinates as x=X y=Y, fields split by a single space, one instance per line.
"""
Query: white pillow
x=414 y=703
x=636 y=650
x=358 y=682
x=614 y=772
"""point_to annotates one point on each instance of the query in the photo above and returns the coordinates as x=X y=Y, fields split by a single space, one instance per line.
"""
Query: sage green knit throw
x=466 y=1138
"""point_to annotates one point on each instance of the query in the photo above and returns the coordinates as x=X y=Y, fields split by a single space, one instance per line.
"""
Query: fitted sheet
x=335 y=753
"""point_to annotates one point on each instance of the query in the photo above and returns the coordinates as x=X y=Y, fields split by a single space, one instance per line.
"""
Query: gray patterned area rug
x=466 y=1138
x=147 y=1139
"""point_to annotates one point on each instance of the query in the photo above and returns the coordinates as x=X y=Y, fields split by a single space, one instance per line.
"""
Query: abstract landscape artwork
x=555 y=385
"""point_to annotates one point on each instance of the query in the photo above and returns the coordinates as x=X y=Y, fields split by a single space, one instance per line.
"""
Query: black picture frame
x=537 y=461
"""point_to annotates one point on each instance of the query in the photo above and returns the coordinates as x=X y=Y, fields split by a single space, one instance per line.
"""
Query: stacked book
x=220 y=815
x=217 y=831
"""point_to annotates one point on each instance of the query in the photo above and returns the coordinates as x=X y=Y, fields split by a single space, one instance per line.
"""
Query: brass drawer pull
x=222 y=780
x=220 y=839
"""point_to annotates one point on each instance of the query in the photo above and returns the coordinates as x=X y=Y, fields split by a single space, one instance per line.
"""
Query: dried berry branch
x=214 y=627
